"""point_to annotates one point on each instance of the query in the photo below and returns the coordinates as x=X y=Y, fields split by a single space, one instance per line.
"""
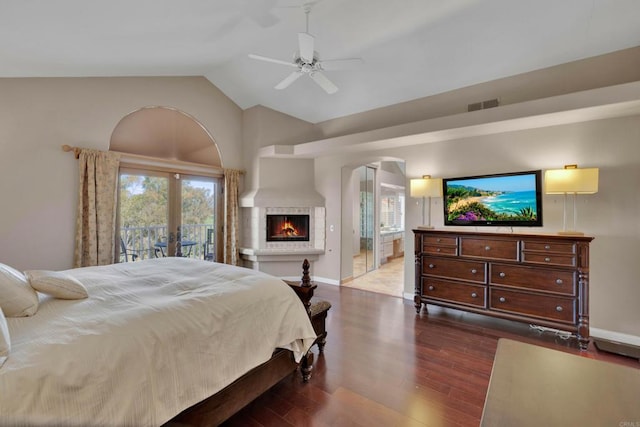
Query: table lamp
x=574 y=181
x=426 y=187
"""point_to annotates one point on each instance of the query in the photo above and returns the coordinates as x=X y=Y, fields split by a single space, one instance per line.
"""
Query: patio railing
x=140 y=242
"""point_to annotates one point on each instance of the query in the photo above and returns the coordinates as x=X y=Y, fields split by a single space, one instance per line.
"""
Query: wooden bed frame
x=217 y=408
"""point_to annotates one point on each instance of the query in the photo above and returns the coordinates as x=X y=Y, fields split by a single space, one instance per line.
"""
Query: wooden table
x=536 y=386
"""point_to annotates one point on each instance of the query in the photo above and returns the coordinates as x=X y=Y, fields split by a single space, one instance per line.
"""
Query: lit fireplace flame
x=288 y=229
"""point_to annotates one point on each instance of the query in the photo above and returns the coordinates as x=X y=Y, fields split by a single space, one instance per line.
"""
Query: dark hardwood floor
x=386 y=366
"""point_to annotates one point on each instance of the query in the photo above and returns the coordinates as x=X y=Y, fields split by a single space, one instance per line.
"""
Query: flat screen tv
x=507 y=199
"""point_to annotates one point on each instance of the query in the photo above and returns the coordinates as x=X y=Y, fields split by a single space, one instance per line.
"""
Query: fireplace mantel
x=258 y=255
x=291 y=197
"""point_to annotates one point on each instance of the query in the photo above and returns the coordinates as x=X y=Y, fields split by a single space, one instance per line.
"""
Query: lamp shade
x=426 y=187
x=573 y=181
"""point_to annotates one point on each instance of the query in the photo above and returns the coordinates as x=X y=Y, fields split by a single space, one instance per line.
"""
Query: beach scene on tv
x=496 y=198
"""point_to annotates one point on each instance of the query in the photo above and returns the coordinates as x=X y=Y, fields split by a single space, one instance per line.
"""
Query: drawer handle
x=502 y=299
x=474 y=271
x=502 y=274
x=431 y=288
x=438 y=240
x=438 y=250
x=547 y=259
x=559 y=282
x=474 y=295
x=559 y=308
x=487 y=248
x=432 y=266
x=547 y=247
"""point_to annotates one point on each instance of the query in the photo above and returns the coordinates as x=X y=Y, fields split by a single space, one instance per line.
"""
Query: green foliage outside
x=143 y=202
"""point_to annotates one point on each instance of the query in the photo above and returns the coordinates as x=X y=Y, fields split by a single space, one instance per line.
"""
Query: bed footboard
x=222 y=405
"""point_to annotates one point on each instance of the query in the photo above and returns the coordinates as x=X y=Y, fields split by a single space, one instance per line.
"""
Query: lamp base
x=425 y=227
x=571 y=233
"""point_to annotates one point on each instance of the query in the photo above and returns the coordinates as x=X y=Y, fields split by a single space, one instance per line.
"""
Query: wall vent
x=490 y=103
x=475 y=107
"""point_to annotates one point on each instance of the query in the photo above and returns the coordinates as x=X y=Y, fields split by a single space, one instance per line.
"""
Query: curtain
x=96 y=213
x=231 y=241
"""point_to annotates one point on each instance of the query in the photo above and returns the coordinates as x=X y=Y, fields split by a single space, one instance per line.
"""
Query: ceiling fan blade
x=289 y=79
x=340 y=64
x=305 y=45
x=275 y=61
x=323 y=82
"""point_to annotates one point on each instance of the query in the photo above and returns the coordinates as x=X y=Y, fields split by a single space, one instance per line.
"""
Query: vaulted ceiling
x=409 y=48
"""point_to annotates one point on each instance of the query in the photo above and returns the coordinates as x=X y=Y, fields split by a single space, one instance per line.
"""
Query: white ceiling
x=410 y=48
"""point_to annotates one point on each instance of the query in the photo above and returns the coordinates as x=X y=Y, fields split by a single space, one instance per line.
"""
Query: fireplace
x=287 y=228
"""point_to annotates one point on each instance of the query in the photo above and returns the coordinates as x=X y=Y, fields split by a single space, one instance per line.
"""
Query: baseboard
x=408 y=295
x=313 y=279
x=615 y=336
x=326 y=281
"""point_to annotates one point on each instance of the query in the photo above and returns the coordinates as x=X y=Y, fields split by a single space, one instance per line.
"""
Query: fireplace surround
x=281 y=255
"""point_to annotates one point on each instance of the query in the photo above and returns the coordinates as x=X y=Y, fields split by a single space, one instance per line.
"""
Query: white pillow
x=5 y=343
x=57 y=284
x=17 y=298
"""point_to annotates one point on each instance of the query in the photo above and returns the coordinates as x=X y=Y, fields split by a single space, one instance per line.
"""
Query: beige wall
x=262 y=127
x=38 y=180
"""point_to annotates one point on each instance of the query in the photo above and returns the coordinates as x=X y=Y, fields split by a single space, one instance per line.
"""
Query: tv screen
x=507 y=199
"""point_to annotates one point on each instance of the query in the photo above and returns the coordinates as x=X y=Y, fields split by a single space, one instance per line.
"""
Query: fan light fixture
x=426 y=187
x=307 y=61
x=574 y=181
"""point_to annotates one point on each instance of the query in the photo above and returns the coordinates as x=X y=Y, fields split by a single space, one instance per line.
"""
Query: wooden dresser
x=541 y=279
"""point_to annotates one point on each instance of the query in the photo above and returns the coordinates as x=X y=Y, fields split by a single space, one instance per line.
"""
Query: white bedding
x=153 y=338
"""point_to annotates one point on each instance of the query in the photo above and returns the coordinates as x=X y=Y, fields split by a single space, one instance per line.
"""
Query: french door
x=168 y=214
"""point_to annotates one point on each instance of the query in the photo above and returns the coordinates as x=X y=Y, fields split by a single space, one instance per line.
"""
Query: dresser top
x=493 y=234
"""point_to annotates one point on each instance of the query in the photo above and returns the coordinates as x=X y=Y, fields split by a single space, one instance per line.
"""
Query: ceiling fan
x=306 y=61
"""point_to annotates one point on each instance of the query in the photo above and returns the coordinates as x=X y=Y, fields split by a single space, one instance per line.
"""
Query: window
x=165 y=213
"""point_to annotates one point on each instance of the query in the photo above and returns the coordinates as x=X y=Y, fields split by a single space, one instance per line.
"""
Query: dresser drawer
x=440 y=250
x=562 y=248
x=549 y=259
x=535 y=278
x=542 y=306
x=472 y=271
x=488 y=248
x=460 y=293
x=440 y=240
x=440 y=245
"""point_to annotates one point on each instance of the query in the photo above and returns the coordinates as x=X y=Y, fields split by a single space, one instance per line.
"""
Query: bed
x=154 y=339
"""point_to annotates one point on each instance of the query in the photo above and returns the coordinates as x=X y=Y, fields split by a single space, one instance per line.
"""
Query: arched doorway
x=373 y=203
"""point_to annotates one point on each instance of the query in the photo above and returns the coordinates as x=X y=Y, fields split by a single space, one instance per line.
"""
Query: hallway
x=388 y=279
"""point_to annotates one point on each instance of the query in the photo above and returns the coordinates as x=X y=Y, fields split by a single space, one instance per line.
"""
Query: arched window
x=170 y=188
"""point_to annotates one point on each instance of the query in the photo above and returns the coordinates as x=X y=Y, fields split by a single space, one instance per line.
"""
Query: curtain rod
x=152 y=161
x=76 y=150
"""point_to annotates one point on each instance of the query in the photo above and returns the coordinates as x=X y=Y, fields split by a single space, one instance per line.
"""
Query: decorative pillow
x=17 y=298
x=57 y=284
x=5 y=343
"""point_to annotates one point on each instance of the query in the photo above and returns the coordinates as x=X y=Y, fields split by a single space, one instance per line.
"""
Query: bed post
x=304 y=289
